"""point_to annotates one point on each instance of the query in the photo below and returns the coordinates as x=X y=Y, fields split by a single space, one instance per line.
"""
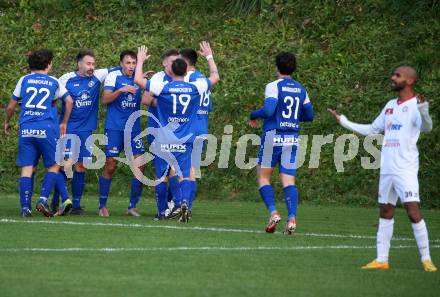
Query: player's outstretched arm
x=206 y=51
x=9 y=113
x=68 y=109
x=142 y=56
x=363 y=129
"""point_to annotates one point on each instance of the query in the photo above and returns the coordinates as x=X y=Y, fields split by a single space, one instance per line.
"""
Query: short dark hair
x=179 y=67
x=129 y=53
x=84 y=52
x=40 y=59
x=170 y=52
x=190 y=55
x=286 y=63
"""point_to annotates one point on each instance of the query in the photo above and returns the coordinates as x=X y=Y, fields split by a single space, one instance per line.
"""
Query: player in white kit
x=401 y=122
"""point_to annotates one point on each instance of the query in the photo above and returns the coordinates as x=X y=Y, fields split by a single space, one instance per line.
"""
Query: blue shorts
x=177 y=156
x=35 y=141
x=278 y=148
x=78 y=144
x=116 y=143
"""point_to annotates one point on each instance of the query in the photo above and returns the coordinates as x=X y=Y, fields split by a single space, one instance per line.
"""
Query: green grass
x=154 y=271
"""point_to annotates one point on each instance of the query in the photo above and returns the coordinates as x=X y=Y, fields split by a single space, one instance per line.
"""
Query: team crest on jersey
x=388 y=111
x=91 y=83
x=405 y=109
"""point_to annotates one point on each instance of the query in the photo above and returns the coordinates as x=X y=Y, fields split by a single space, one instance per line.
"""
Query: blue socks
x=268 y=196
x=193 y=193
x=291 y=199
x=185 y=187
x=25 y=184
x=104 y=189
x=32 y=190
x=175 y=189
x=56 y=193
x=77 y=188
x=161 y=198
x=49 y=180
x=169 y=194
x=60 y=185
x=136 y=192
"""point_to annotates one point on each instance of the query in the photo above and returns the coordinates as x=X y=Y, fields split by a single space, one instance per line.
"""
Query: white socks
x=421 y=236
x=384 y=235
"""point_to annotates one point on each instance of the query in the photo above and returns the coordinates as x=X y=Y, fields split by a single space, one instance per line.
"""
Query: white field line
x=195 y=228
x=202 y=248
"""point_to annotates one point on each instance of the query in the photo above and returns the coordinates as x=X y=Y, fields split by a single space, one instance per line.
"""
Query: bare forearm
x=68 y=109
x=139 y=78
x=10 y=109
x=109 y=96
x=147 y=98
x=214 y=77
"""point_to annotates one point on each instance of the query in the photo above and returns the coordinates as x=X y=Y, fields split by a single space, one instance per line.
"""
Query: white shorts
x=393 y=186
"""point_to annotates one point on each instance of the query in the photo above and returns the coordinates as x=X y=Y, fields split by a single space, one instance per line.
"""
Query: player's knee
x=287 y=180
x=54 y=168
x=79 y=167
x=110 y=166
x=413 y=212
x=262 y=181
x=386 y=211
x=142 y=168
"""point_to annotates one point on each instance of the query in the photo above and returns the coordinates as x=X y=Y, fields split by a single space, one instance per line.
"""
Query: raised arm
x=423 y=107
x=205 y=50
x=142 y=56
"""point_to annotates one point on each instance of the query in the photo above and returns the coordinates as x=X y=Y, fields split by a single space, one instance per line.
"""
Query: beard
x=398 y=86
x=90 y=72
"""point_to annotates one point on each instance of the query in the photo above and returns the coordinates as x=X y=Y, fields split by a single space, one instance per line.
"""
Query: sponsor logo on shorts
x=285 y=140
x=36 y=133
x=173 y=148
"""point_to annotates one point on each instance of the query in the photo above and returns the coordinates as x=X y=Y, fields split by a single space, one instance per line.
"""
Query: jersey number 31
x=288 y=104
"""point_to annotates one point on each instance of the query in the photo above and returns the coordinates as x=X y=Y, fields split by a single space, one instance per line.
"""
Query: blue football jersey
x=205 y=104
x=37 y=93
x=122 y=107
x=291 y=99
x=177 y=102
x=157 y=77
x=85 y=91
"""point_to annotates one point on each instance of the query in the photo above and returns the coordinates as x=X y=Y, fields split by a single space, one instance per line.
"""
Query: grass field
x=221 y=252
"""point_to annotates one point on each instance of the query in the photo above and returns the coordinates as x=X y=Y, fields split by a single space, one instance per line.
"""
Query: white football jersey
x=400 y=123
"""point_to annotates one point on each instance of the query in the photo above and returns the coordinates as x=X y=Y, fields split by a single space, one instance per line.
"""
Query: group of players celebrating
x=179 y=101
